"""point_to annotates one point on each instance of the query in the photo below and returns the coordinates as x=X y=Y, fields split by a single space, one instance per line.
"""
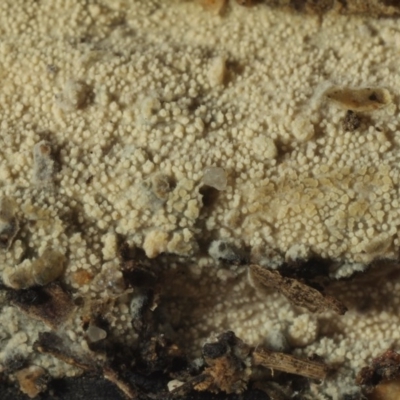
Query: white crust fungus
x=297 y=252
x=264 y=148
x=155 y=243
x=110 y=246
x=303 y=330
x=132 y=165
x=302 y=128
x=43 y=270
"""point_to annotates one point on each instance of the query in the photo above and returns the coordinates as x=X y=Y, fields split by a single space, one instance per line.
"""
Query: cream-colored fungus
x=112 y=113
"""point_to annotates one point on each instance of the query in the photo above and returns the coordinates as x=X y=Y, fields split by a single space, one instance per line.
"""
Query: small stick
x=290 y=364
x=297 y=292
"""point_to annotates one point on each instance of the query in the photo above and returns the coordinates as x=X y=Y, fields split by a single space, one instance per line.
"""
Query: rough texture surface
x=110 y=115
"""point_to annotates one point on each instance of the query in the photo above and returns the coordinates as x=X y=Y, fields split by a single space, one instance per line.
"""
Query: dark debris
x=50 y=304
x=385 y=367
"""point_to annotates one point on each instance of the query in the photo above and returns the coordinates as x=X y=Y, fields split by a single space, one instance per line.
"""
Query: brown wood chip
x=290 y=364
x=297 y=292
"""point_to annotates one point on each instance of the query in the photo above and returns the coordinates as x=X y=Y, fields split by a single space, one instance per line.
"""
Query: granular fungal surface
x=151 y=149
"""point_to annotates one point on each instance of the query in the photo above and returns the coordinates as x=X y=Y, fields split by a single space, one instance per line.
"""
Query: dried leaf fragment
x=359 y=99
x=290 y=364
x=297 y=292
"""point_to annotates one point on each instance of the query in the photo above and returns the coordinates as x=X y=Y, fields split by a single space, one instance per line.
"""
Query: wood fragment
x=288 y=363
x=297 y=292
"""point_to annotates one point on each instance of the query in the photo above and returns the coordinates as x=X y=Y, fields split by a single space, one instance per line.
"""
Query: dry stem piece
x=290 y=364
x=297 y=292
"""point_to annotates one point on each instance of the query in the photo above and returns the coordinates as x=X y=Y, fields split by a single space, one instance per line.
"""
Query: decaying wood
x=288 y=363
x=297 y=292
